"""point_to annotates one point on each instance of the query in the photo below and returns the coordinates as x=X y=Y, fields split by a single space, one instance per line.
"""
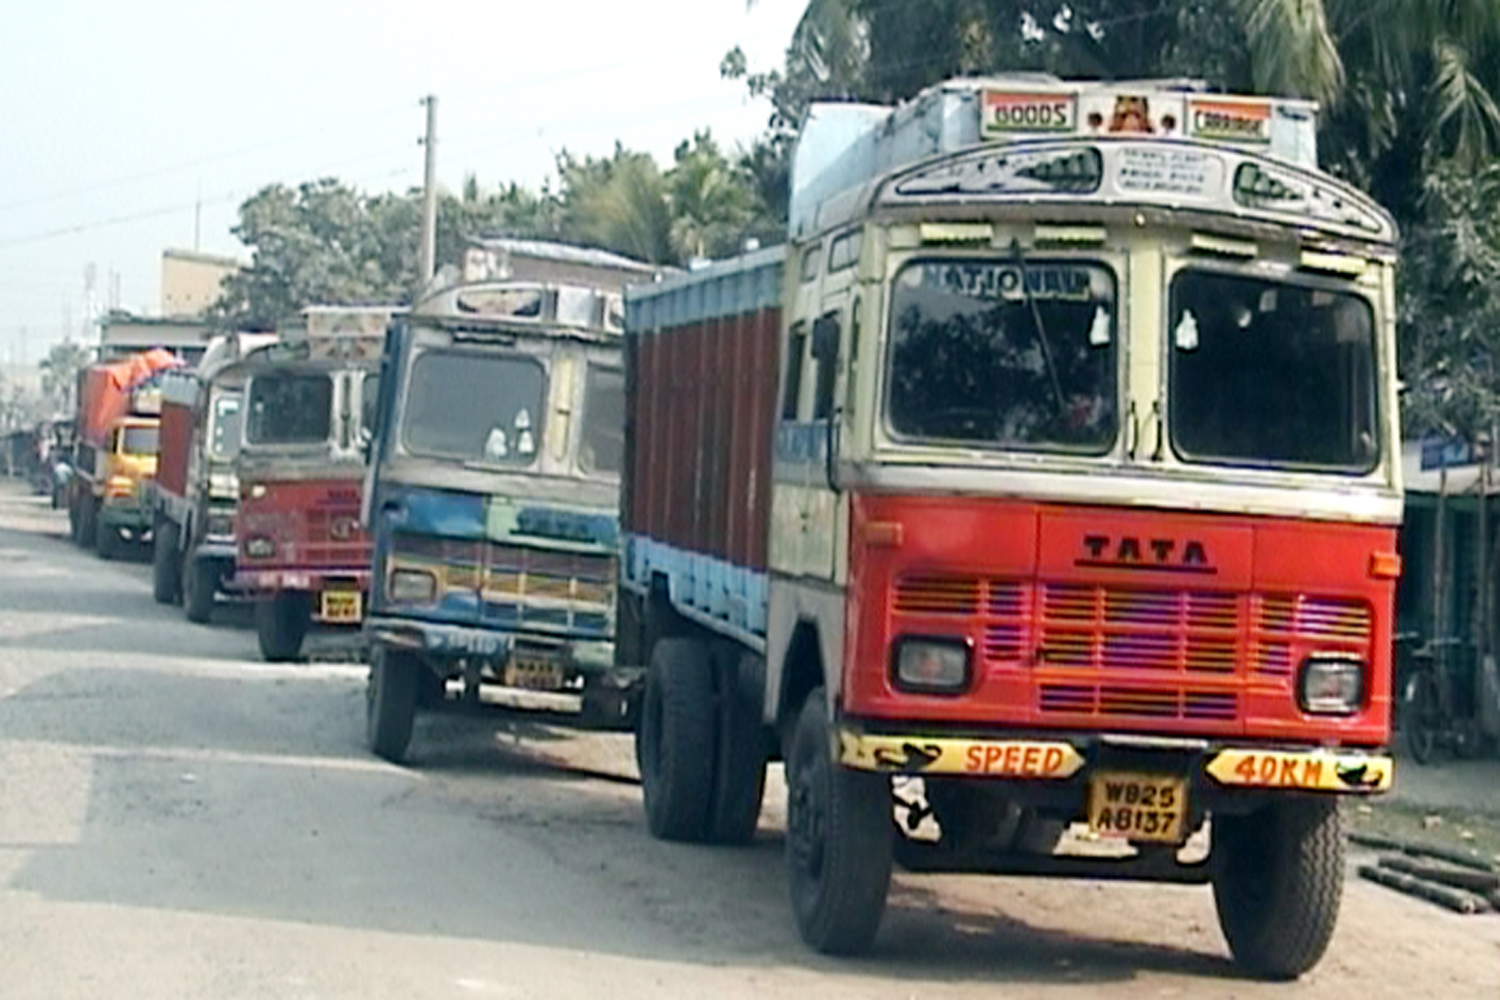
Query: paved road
x=178 y=819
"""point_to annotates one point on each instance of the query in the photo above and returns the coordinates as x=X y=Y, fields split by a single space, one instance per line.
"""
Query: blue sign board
x=1449 y=453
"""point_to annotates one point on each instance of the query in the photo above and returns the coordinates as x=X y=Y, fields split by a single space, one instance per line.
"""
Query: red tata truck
x=1035 y=504
x=196 y=493
x=309 y=408
x=114 y=458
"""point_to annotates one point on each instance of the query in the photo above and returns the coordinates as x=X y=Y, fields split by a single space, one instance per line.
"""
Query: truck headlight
x=410 y=586
x=931 y=665
x=260 y=547
x=1331 y=685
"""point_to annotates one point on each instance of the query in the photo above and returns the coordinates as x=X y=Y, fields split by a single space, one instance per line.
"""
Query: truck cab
x=123 y=471
x=494 y=504
x=309 y=406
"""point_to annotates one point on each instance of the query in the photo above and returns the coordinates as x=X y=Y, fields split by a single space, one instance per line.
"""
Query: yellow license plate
x=1145 y=807
x=534 y=673
x=340 y=606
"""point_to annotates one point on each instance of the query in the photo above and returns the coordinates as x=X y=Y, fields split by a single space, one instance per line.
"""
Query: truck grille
x=1111 y=651
x=517 y=572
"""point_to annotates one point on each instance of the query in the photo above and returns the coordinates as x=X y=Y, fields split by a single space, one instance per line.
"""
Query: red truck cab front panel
x=302 y=527
x=1098 y=619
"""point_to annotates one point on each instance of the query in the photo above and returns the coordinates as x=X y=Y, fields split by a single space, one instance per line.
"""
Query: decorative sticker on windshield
x=1009 y=281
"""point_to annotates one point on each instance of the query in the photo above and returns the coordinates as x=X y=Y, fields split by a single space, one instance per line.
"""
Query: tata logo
x=343 y=529
x=1161 y=555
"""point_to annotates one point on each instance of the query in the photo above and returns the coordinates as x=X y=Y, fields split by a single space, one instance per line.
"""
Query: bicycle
x=1425 y=709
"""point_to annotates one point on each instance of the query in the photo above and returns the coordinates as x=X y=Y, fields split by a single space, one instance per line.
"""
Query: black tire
x=200 y=582
x=739 y=762
x=674 y=743
x=838 y=840
x=391 y=701
x=166 y=568
x=1278 y=884
x=281 y=623
x=1420 y=719
x=106 y=538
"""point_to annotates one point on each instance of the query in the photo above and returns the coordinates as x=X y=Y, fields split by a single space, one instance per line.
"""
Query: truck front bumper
x=1068 y=760
x=443 y=641
x=127 y=515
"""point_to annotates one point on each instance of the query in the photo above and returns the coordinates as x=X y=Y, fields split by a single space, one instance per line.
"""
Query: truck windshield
x=975 y=360
x=1271 y=374
x=473 y=407
x=603 y=448
x=139 y=440
x=289 y=409
x=224 y=432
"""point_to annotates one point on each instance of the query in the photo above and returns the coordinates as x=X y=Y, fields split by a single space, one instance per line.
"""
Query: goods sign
x=1009 y=113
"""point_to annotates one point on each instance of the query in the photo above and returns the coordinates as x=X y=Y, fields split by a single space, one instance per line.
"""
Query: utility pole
x=427 y=247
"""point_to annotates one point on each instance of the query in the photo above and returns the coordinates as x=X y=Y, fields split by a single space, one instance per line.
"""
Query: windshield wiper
x=1036 y=317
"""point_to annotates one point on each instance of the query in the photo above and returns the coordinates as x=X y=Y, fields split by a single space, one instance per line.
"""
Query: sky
x=130 y=128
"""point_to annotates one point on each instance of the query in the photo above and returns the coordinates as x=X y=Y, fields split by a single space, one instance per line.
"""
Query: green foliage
x=1450 y=304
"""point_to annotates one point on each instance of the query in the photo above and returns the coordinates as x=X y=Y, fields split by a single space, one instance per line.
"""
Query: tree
x=60 y=370
x=619 y=204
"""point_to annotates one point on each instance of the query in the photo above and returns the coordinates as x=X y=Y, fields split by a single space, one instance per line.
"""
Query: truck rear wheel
x=166 y=570
x=1278 y=886
x=391 y=701
x=674 y=743
x=838 y=840
x=200 y=582
x=739 y=763
x=281 y=623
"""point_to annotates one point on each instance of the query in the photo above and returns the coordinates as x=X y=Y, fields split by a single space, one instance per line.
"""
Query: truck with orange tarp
x=1036 y=504
x=117 y=424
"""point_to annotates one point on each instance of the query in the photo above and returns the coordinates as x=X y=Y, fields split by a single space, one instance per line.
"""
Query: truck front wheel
x=106 y=538
x=1279 y=880
x=200 y=581
x=391 y=701
x=166 y=575
x=674 y=743
x=281 y=623
x=838 y=840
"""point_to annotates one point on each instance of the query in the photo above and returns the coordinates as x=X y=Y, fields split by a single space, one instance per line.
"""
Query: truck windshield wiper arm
x=1036 y=317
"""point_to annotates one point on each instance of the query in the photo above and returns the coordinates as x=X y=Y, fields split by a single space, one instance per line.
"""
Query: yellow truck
x=115 y=458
